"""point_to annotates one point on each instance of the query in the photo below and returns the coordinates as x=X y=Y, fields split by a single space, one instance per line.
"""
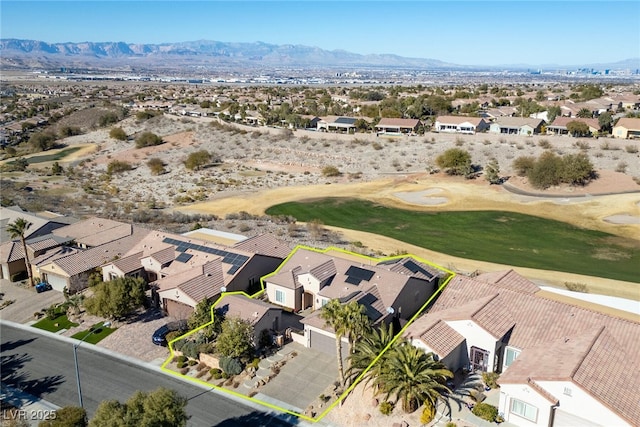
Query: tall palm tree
x=366 y=350
x=333 y=314
x=414 y=377
x=16 y=229
x=348 y=320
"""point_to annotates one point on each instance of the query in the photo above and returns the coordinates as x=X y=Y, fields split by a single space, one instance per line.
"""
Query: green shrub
x=118 y=166
x=118 y=133
x=485 y=411
x=490 y=379
x=193 y=362
x=523 y=165
x=231 y=365
x=180 y=365
x=455 y=161
x=386 y=408
x=147 y=139
x=330 y=171
x=182 y=359
x=451 y=424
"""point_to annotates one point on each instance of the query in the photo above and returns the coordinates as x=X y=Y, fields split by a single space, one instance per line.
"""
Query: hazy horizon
x=458 y=32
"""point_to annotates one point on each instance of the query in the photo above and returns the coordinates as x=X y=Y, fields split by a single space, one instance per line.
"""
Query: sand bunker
x=420 y=197
x=622 y=219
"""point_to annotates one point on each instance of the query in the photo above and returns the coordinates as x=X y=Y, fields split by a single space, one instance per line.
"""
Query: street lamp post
x=75 y=358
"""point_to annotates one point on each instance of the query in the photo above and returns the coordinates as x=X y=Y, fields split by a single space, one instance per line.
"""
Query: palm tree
x=358 y=323
x=17 y=229
x=333 y=314
x=366 y=350
x=413 y=377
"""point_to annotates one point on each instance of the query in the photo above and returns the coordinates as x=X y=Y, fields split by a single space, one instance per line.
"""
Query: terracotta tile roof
x=95 y=257
x=406 y=123
x=629 y=123
x=95 y=231
x=164 y=256
x=507 y=121
x=244 y=307
x=265 y=244
x=608 y=372
x=11 y=251
x=324 y=271
x=129 y=263
x=558 y=340
x=441 y=338
x=456 y=120
x=562 y=121
x=207 y=284
x=46 y=242
x=54 y=254
x=510 y=280
x=10 y=214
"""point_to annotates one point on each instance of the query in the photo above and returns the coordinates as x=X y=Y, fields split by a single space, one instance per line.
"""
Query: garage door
x=326 y=344
x=57 y=283
x=565 y=419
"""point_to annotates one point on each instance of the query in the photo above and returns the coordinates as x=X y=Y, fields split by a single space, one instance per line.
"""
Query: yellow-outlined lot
x=450 y=273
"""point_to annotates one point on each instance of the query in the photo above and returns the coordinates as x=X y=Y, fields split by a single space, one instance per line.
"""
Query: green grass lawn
x=50 y=325
x=493 y=236
x=99 y=334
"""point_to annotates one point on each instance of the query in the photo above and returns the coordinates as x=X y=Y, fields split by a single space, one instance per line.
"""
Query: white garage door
x=565 y=419
x=58 y=283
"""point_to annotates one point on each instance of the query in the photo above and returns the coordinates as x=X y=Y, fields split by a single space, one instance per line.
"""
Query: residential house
x=398 y=126
x=460 y=124
x=311 y=121
x=337 y=124
x=561 y=364
x=517 y=126
x=559 y=125
x=38 y=238
x=391 y=291
x=71 y=266
x=183 y=271
x=627 y=128
x=264 y=317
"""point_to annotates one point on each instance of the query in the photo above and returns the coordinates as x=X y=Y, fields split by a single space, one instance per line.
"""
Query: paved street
x=42 y=365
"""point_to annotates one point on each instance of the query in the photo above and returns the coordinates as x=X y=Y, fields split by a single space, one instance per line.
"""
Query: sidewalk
x=31 y=408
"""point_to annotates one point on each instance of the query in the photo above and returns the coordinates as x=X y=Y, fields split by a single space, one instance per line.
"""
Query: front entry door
x=479 y=359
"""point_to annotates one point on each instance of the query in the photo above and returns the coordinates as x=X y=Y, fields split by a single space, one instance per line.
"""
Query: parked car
x=42 y=287
x=160 y=335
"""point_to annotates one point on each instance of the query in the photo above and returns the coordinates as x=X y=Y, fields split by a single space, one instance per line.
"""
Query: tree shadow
x=260 y=419
x=145 y=316
x=11 y=345
x=13 y=376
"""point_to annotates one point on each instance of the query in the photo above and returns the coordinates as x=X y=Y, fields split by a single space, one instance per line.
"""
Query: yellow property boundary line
x=450 y=273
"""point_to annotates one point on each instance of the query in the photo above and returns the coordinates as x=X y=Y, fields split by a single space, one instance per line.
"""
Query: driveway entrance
x=302 y=379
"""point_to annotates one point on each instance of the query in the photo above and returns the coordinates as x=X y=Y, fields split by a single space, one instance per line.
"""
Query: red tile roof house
x=561 y=364
x=38 y=240
x=264 y=317
x=397 y=126
x=392 y=291
x=96 y=241
x=517 y=126
x=559 y=125
x=627 y=128
x=182 y=271
x=460 y=124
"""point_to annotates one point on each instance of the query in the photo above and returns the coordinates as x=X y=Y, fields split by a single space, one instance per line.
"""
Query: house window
x=324 y=302
x=567 y=391
x=113 y=276
x=510 y=355
x=524 y=410
x=279 y=296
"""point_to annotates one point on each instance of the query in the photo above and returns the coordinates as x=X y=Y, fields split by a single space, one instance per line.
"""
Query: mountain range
x=205 y=54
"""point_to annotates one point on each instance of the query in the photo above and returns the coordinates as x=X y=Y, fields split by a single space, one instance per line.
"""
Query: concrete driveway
x=26 y=301
x=302 y=379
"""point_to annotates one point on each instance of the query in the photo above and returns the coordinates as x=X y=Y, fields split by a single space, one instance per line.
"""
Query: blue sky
x=460 y=32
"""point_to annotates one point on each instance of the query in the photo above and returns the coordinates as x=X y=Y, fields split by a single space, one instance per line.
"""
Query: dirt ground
x=265 y=166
